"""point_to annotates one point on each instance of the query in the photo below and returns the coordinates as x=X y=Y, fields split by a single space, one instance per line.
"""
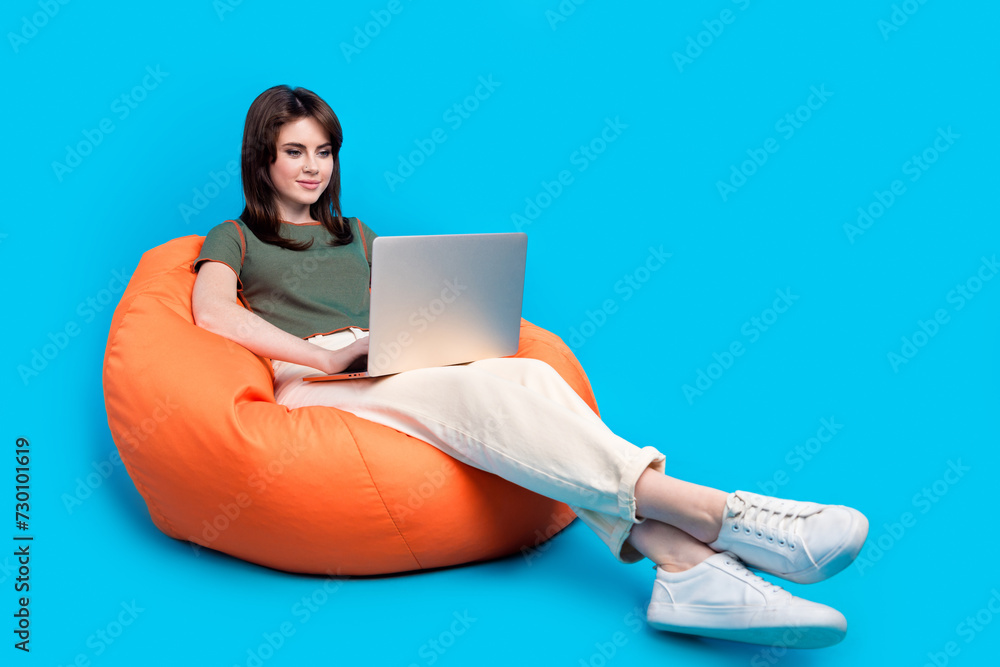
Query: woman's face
x=302 y=169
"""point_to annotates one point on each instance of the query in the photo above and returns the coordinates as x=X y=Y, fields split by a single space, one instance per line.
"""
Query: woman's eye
x=292 y=152
x=324 y=153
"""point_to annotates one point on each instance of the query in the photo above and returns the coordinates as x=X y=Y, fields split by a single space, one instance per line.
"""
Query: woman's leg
x=668 y=546
x=516 y=418
x=519 y=419
x=700 y=591
x=695 y=509
x=682 y=519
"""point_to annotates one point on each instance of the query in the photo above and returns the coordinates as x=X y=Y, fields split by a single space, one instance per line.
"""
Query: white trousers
x=516 y=418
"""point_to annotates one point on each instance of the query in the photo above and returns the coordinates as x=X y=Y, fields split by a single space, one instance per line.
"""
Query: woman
x=303 y=271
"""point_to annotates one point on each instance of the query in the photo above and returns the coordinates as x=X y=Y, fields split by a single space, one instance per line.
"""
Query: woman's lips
x=309 y=185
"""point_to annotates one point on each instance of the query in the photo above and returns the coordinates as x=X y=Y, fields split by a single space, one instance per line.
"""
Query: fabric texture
x=318 y=290
x=516 y=418
x=317 y=490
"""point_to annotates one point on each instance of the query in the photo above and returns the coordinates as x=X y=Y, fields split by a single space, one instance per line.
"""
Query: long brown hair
x=272 y=109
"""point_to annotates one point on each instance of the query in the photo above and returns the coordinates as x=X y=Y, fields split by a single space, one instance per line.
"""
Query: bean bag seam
x=159 y=278
x=381 y=499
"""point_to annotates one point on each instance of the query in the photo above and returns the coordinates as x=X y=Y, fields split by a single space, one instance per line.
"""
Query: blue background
x=684 y=126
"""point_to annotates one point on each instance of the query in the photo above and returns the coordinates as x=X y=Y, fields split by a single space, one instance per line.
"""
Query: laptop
x=440 y=300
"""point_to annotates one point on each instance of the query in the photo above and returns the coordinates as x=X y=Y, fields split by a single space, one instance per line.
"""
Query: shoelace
x=772 y=518
x=736 y=564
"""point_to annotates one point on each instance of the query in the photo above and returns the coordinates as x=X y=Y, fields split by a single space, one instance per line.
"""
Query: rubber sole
x=718 y=625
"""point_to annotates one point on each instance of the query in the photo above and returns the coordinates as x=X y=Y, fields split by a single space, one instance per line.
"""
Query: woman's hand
x=338 y=360
x=215 y=307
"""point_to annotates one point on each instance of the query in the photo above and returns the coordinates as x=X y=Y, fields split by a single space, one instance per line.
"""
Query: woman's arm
x=215 y=308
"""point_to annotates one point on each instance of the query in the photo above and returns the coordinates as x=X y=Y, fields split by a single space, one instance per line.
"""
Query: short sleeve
x=367 y=237
x=225 y=243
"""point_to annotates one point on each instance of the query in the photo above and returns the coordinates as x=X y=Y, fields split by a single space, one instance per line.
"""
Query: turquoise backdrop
x=768 y=230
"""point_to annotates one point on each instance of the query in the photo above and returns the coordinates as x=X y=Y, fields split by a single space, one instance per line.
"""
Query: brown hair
x=272 y=109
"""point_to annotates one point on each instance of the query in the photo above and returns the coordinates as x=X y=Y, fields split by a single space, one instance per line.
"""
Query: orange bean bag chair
x=314 y=490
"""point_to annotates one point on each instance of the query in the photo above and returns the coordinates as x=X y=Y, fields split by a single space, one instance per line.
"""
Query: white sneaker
x=798 y=541
x=721 y=598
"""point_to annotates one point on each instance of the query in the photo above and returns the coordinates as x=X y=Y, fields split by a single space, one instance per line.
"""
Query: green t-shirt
x=304 y=292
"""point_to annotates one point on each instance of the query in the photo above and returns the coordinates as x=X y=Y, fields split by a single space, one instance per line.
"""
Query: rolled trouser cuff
x=614 y=530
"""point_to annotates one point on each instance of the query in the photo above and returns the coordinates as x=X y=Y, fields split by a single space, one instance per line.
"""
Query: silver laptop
x=442 y=300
